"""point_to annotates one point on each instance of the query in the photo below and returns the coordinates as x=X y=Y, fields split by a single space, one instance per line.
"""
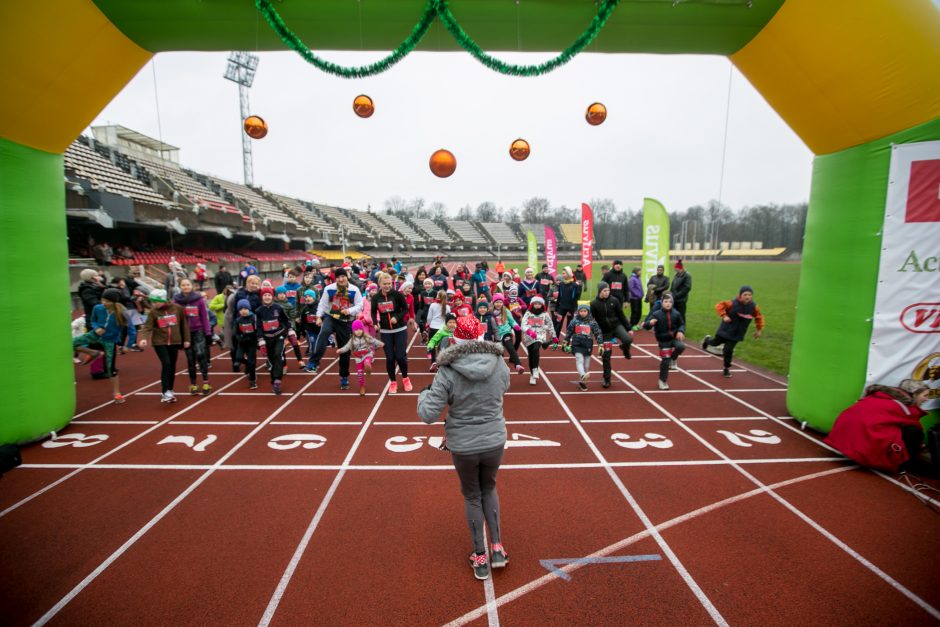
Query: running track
x=704 y=504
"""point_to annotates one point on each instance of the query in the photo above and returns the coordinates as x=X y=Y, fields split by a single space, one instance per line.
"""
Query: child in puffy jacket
x=583 y=332
x=362 y=347
x=442 y=338
x=538 y=332
x=504 y=327
x=669 y=327
x=246 y=337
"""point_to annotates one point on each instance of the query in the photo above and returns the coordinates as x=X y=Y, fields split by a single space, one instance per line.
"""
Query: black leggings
x=342 y=330
x=247 y=353
x=395 y=346
x=678 y=347
x=275 y=348
x=727 y=351
x=197 y=353
x=534 y=349
x=477 y=474
x=625 y=342
x=433 y=351
x=167 y=356
x=561 y=318
x=508 y=342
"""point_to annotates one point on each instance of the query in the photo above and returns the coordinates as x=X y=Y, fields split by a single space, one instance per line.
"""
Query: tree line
x=707 y=225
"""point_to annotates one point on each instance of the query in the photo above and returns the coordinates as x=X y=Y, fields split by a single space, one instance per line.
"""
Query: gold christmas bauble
x=363 y=106
x=519 y=150
x=596 y=114
x=443 y=163
x=256 y=127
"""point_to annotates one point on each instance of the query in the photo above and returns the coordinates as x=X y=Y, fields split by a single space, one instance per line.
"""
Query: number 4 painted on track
x=754 y=435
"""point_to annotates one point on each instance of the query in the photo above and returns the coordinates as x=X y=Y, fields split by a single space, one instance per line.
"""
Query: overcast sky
x=662 y=138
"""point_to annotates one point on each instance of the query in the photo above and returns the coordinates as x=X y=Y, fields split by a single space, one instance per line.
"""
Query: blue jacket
x=102 y=319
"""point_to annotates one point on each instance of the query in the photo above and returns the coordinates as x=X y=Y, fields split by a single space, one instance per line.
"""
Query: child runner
x=484 y=316
x=669 y=327
x=406 y=290
x=167 y=329
x=537 y=333
x=197 y=317
x=362 y=347
x=292 y=289
x=436 y=312
x=281 y=298
x=580 y=337
x=470 y=385
x=366 y=314
x=504 y=327
x=108 y=320
x=389 y=310
x=442 y=337
x=246 y=338
x=736 y=316
x=425 y=298
x=569 y=291
x=308 y=321
x=274 y=326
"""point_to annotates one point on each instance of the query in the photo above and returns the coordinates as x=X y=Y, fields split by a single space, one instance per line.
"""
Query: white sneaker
x=663 y=385
x=166 y=398
x=533 y=379
x=172 y=396
x=535 y=373
x=673 y=365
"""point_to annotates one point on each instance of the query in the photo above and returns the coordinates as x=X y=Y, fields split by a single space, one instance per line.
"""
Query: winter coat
x=635 y=286
x=658 y=286
x=869 y=432
x=254 y=298
x=197 y=314
x=167 y=326
x=528 y=289
x=222 y=278
x=333 y=301
x=388 y=306
x=668 y=323
x=618 y=282
x=308 y=319
x=741 y=316
x=608 y=313
x=272 y=321
x=502 y=323
x=470 y=383
x=582 y=333
x=541 y=325
x=681 y=286
x=90 y=293
x=479 y=282
x=361 y=347
x=101 y=318
x=568 y=294
x=246 y=329
x=545 y=280
x=442 y=334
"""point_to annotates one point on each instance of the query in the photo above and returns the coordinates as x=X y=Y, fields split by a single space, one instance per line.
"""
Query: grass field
x=775 y=285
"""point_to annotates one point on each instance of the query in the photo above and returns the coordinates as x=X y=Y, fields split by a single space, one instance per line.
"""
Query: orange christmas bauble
x=519 y=150
x=596 y=114
x=443 y=163
x=256 y=127
x=363 y=106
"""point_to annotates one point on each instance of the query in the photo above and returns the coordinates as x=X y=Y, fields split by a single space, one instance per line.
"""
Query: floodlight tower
x=241 y=69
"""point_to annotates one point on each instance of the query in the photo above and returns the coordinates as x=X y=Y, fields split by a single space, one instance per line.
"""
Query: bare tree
x=415 y=208
x=437 y=211
x=486 y=212
x=395 y=204
x=511 y=215
x=465 y=213
x=604 y=210
x=535 y=209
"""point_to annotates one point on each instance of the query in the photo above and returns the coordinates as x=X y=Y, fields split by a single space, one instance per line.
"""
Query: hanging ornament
x=363 y=106
x=256 y=127
x=596 y=114
x=443 y=163
x=519 y=150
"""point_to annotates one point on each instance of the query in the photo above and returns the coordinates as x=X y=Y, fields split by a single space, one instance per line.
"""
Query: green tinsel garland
x=439 y=9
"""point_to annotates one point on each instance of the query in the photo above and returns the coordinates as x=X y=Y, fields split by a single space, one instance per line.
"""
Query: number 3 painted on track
x=649 y=439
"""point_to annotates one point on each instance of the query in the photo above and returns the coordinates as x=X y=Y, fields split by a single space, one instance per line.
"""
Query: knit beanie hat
x=745 y=288
x=537 y=300
x=616 y=261
x=267 y=283
x=357 y=325
x=87 y=274
x=601 y=286
x=112 y=295
x=280 y=289
x=310 y=293
x=468 y=329
x=498 y=297
x=158 y=296
x=243 y=304
x=450 y=317
x=267 y=289
x=584 y=306
x=679 y=265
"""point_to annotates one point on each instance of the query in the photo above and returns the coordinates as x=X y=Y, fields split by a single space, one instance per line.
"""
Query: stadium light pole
x=241 y=69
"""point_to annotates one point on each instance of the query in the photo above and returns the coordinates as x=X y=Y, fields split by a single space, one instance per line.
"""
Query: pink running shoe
x=393 y=387
x=406 y=382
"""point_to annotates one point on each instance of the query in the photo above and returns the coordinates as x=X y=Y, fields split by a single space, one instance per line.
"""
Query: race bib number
x=386 y=307
x=583 y=329
x=362 y=352
x=292 y=293
x=246 y=327
x=531 y=293
x=428 y=300
x=340 y=303
x=458 y=283
x=166 y=321
x=191 y=310
x=310 y=318
x=535 y=322
x=438 y=283
x=545 y=281
x=464 y=310
x=271 y=325
x=616 y=285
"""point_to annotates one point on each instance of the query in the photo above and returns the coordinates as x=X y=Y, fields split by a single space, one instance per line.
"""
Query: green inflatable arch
x=851 y=78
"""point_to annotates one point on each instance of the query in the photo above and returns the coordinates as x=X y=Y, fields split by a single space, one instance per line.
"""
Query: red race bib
x=246 y=327
x=191 y=310
x=166 y=321
x=311 y=318
x=535 y=322
x=362 y=352
x=428 y=300
x=386 y=307
x=271 y=325
x=292 y=293
x=616 y=285
x=531 y=293
x=340 y=303
x=583 y=329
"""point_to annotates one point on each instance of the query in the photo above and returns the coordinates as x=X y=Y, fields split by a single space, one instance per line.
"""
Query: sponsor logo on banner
x=905 y=336
x=587 y=230
x=921 y=318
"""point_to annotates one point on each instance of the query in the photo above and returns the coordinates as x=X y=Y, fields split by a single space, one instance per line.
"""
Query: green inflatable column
x=839 y=275
x=37 y=382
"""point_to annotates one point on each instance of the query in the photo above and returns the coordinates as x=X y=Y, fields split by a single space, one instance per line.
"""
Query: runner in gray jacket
x=470 y=383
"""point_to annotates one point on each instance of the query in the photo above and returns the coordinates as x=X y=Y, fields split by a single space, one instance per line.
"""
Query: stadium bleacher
x=404 y=229
x=433 y=232
x=355 y=234
x=467 y=232
x=380 y=231
x=83 y=162
x=255 y=202
x=501 y=233
x=303 y=213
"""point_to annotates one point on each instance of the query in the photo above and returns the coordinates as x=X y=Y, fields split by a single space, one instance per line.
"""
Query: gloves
x=292 y=334
x=516 y=327
x=263 y=348
x=567 y=348
x=531 y=334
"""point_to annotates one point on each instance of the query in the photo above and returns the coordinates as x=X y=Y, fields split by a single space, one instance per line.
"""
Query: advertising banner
x=551 y=251
x=905 y=337
x=587 y=239
x=533 y=251
x=655 y=238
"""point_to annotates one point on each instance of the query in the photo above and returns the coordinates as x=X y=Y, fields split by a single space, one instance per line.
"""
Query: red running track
x=324 y=507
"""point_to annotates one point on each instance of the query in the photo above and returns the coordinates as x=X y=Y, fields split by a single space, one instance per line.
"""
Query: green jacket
x=439 y=336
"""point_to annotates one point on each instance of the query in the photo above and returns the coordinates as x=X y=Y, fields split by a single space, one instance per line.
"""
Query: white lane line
x=796 y=511
x=140 y=435
x=288 y=574
x=221 y=423
x=642 y=535
x=114 y=422
x=84 y=583
x=316 y=422
x=373 y=468
x=647 y=523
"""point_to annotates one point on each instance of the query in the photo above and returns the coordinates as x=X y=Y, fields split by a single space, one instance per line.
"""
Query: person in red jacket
x=883 y=430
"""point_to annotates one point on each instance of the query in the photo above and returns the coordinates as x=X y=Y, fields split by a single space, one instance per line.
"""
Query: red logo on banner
x=921 y=318
x=923 y=192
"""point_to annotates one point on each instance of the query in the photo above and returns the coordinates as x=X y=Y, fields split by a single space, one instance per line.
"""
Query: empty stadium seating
x=433 y=232
x=467 y=232
x=355 y=234
x=255 y=202
x=83 y=162
x=404 y=229
x=501 y=233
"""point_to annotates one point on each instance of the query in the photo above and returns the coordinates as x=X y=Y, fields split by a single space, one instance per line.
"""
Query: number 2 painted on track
x=754 y=435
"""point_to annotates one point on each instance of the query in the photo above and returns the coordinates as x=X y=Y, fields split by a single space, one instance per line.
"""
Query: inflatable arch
x=850 y=78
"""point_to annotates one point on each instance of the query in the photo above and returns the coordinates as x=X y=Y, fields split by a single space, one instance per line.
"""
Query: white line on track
x=84 y=583
x=622 y=544
x=647 y=523
x=792 y=508
x=114 y=422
